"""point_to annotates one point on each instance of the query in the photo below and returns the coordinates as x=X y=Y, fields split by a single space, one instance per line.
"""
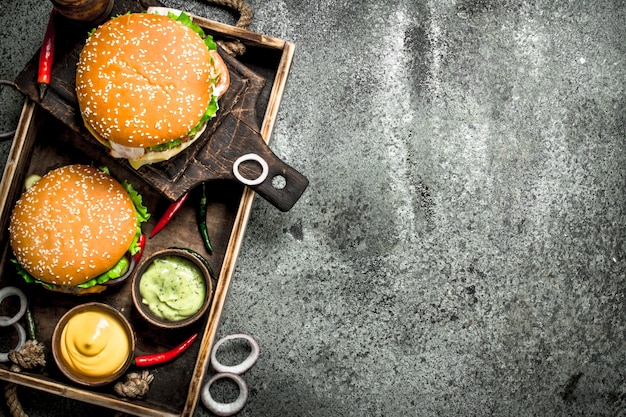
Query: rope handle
x=235 y=47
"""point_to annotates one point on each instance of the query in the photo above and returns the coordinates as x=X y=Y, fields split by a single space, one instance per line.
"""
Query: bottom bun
x=96 y=289
x=150 y=157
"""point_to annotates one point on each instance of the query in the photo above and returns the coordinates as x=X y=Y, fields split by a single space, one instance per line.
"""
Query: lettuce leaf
x=140 y=210
x=186 y=20
x=165 y=146
x=117 y=271
x=26 y=276
x=208 y=115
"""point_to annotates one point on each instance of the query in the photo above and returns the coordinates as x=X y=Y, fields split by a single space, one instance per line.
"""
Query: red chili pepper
x=169 y=213
x=159 y=358
x=46 y=57
x=141 y=242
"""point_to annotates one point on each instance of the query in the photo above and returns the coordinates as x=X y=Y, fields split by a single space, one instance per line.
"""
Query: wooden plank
x=74 y=393
x=23 y=140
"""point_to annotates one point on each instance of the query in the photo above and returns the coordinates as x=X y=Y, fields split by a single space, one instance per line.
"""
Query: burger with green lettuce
x=76 y=229
x=147 y=84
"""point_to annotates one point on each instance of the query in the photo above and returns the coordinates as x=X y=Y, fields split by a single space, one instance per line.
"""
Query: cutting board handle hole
x=279 y=182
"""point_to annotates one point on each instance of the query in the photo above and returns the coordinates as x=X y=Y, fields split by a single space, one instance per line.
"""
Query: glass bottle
x=84 y=11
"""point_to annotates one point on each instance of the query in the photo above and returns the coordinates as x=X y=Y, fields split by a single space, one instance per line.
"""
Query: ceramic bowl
x=93 y=344
x=170 y=291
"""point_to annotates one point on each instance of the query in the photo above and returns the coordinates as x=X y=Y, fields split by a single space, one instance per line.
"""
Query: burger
x=76 y=229
x=147 y=84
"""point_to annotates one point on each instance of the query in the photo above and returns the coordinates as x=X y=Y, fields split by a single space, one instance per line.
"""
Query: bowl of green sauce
x=172 y=288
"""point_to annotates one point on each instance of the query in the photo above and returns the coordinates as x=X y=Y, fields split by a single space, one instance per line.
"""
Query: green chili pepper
x=202 y=226
x=30 y=322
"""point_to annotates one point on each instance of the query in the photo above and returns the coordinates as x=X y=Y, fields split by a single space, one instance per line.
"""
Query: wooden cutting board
x=233 y=133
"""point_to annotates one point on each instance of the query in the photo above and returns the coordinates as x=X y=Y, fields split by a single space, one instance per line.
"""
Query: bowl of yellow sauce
x=93 y=344
x=172 y=288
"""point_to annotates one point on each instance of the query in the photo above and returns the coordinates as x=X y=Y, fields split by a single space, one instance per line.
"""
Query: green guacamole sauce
x=173 y=288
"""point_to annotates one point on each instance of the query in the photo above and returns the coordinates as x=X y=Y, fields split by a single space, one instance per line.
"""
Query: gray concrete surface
x=460 y=250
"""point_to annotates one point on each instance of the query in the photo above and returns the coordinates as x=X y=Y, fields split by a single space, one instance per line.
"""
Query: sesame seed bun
x=144 y=80
x=72 y=225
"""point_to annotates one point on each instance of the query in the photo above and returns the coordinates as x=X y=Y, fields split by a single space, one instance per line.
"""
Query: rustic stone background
x=460 y=249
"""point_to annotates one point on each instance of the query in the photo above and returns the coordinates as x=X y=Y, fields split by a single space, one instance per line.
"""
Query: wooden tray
x=43 y=141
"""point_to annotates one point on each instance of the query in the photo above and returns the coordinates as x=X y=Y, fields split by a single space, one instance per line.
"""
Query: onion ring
x=7 y=292
x=251 y=157
x=243 y=366
x=4 y=356
x=224 y=409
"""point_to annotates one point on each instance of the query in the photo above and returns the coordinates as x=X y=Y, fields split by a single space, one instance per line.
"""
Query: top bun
x=73 y=225
x=143 y=80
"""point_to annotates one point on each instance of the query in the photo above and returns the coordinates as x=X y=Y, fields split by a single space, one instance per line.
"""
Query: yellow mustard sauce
x=173 y=288
x=94 y=344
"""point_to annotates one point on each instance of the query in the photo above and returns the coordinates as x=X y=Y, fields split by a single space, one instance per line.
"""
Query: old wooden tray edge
x=237 y=235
